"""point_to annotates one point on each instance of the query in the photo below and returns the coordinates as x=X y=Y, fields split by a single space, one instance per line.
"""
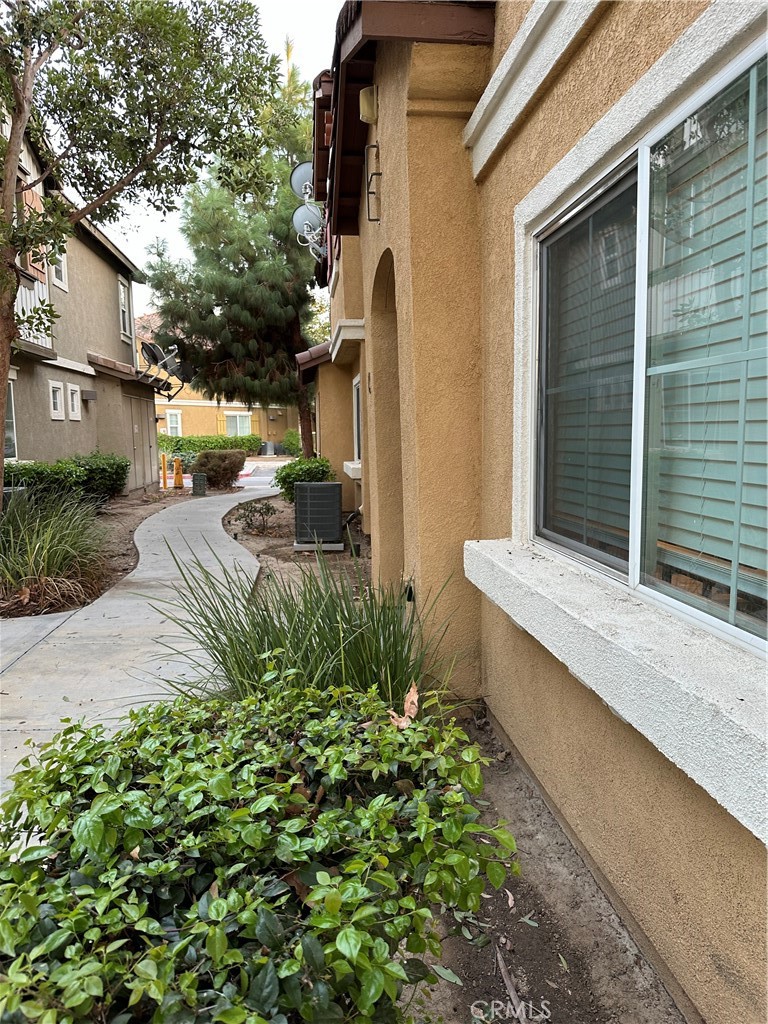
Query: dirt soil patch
x=274 y=547
x=568 y=956
x=120 y=517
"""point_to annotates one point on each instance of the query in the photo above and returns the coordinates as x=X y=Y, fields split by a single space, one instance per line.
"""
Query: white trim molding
x=669 y=680
x=549 y=29
x=70 y=364
x=354 y=470
x=56 y=386
x=74 y=408
x=347 y=336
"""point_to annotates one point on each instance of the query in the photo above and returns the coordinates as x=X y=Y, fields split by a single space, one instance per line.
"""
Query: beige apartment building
x=546 y=385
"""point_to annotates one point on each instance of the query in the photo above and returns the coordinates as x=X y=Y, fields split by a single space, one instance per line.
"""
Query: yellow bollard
x=164 y=470
x=178 y=477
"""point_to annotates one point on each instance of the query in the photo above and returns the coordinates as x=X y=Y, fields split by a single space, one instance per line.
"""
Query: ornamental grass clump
x=51 y=553
x=332 y=629
x=275 y=860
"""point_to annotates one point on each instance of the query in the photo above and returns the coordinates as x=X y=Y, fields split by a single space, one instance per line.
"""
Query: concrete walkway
x=98 y=661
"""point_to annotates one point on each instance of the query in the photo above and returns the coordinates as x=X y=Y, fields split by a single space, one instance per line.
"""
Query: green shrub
x=255 y=515
x=292 y=443
x=249 y=443
x=49 y=477
x=98 y=475
x=302 y=471
x=221 y=468
x=259 y=861
x=105 y=474
x=51 y=553
x=331 y=629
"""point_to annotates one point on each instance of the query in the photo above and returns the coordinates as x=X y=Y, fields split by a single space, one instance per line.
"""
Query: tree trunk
x=305 y=422
x=8 y=334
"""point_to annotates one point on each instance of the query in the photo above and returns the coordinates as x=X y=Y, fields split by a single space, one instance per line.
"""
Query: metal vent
x=318 y=513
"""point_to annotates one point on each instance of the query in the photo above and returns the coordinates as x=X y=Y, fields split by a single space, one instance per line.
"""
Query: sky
x=310 y=25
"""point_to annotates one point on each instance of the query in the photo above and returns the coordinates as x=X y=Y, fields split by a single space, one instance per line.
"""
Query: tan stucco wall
x=270 y=424
x=38 y=436
x=411 y=444
x=89 y=311
x=334 y=423
x=347 y=299
x=692 y=877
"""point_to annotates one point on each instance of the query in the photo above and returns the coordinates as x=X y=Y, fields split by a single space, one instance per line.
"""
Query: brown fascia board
x=361 y=25
x=419 y=21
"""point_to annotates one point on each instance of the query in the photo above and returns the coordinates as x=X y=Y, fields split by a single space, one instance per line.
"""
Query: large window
x=357 y=419
x=126 y=310
x=652 y=450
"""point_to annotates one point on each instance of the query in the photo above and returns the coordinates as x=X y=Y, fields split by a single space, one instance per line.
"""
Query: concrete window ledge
x=354 y=470
x=696 y=697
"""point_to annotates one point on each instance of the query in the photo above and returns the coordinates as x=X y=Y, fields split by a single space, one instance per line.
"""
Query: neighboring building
x=187 y=412
x=77 y=388
x=547 y=263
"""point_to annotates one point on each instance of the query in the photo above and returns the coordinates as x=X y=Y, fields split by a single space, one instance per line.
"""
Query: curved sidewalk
x=98 y=661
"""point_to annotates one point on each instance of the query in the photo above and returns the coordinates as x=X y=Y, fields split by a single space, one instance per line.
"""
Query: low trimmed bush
x=275 y=860
x=51 y=552
x=221 y=468
x=302 y=471
x=249 y=443
x=99 y=475
x=292 y=443
x=105 y=475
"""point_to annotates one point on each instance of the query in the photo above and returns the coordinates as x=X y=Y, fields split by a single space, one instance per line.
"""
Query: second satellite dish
x=307 y=218
x=301 y=180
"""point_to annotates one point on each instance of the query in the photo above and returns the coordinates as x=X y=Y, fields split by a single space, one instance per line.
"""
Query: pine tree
x=235 y=310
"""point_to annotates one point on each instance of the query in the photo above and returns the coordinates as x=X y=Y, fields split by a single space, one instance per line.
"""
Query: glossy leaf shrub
x=302 y=471
x=275 y=860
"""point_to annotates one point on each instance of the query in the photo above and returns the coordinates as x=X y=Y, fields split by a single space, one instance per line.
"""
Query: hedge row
x=98 y=475
x=249 y=443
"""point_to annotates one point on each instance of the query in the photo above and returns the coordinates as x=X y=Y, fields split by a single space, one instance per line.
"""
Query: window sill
x=697 y=698
x=354 y=470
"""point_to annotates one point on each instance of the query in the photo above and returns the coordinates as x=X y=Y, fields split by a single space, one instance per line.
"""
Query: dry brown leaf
x=24 y=595
x=510 y=899
x=214 y=890
x=134 y=854
x=412 y=702
x=292 y=879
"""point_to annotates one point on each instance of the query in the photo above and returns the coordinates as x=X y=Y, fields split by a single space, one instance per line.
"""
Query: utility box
x=318 y=517
x=199 y=480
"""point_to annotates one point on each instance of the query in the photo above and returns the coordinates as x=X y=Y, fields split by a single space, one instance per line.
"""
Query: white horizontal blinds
x=705 y=491
x=587 y=358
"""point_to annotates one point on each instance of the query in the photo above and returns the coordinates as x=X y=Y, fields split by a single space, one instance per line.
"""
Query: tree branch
x=127 y=179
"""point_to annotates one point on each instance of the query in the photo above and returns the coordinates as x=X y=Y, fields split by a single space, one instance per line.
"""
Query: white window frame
x=683 y=679
x=11 y=407
x=238 y=415
x=177 y=413
x=357 y=405
x=59 y=264
x=57 y=385
x=73 y=391
x=123 y=282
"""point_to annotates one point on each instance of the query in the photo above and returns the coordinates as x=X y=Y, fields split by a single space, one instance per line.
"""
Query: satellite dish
x=307 y=218
x=301 y=180
x=148 y=351
x=186 y=372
